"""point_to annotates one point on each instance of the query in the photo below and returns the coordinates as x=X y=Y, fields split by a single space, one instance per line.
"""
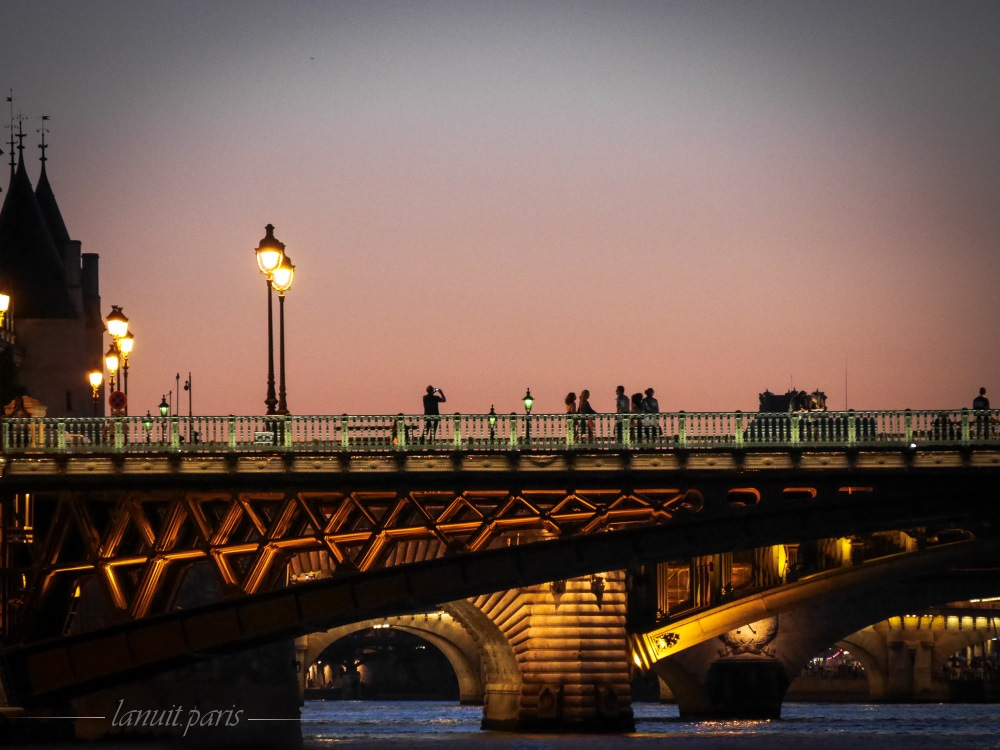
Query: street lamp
x=164 y=408
x=4 y=305
x=125 y=344
x=111 y=359
x=269 y=255
x=121 y=343
x=147 y=424
x=96 y=377
x=493 y=423
x=117 y=322
x=528 y=403
x=281 y=282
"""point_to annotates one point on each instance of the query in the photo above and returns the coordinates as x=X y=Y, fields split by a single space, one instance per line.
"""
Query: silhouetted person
x=434 y=397
x=586 y=408
x=982 y=404
x=571 y=410
x=621 y=407
x=650 y=406
x=636 y=422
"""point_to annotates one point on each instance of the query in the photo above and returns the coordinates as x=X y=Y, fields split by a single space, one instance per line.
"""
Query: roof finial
x=10 y=101
x=20 y=136
x=43 y=130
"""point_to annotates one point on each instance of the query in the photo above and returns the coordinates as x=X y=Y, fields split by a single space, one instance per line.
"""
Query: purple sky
x=709 y=198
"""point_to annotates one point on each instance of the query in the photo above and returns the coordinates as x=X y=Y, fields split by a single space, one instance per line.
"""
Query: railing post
x=175 y=434
x=908 y=427
x=793 y=427
x=231 y=433
x=286 y=432
x=456 y=431
x=61 y=436
x=119 y=435
x=739 y=428
x=571 y=427
x=623 y=430
x=513 y=430
x=681 y=428
x=852 y=428
x=344 y=433
x=401 y=433
x=966 y=437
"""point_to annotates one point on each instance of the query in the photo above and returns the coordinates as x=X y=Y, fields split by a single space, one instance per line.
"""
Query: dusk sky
x=709 y=198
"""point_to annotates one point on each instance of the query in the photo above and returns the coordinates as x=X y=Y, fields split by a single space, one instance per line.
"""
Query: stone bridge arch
x=739 y=659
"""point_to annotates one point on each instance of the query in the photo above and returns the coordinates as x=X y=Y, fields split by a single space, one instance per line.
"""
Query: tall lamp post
x=281 y=282
x=269 y=255
x=117 y=355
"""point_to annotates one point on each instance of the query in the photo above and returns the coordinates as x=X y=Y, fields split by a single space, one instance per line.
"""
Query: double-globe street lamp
x=277 y=268
x=122 y=342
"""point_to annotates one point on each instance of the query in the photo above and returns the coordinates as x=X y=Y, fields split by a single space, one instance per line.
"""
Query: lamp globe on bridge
x=4 y=305
x=269 y=252
x=528 y=401
x=117 y=323
x=111 y=359
x=95 y=378
x=164 y=407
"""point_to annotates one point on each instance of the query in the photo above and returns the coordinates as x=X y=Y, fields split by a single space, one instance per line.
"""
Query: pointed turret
x=28 y=256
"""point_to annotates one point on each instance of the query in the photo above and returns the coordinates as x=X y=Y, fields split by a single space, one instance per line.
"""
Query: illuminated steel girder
x=150 y=539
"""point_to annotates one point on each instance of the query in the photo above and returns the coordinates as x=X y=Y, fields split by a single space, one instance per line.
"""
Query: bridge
x=136 y=546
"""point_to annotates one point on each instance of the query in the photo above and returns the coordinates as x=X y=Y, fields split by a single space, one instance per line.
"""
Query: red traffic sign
x=117 y=400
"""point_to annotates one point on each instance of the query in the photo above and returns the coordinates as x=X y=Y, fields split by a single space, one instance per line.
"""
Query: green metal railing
x=670 y=431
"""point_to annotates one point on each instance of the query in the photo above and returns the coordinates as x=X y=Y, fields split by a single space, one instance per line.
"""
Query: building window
x=69 y=401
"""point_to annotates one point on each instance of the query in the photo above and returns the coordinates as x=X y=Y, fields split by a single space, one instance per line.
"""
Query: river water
x=423 y=725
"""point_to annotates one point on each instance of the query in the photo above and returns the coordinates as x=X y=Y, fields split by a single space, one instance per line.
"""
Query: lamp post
x=117 y=356
x=269 y=255
x=493 y=423
x=111 y=360
x=125 y=344
x=164 y=408
x=147 y=424
x=528 y=403
x=281 y=282
x=95 y=377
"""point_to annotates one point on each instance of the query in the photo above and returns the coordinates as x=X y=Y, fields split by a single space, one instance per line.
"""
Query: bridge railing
x=668 y=431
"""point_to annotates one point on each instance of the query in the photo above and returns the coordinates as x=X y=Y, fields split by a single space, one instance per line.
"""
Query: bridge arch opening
x=382 y=662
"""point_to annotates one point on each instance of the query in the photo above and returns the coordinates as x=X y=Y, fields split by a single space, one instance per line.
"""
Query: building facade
x=53 y=332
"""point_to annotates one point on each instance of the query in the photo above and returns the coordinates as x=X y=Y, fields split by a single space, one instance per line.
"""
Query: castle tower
x=55 y=299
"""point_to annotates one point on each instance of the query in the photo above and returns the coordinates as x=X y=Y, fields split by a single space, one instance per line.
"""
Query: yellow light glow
x=281 y=279
x=117 y=322
x=111 y=359
x=125 y=344
x=96 y=378
x=269 y=252
x=4 y=302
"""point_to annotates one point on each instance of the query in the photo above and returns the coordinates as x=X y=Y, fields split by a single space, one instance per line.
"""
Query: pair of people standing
x=644 y=427
x=583 y=407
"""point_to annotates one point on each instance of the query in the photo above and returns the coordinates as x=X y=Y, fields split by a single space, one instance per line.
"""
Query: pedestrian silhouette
x=586 y=408
x=433 y=397
x=982 y=404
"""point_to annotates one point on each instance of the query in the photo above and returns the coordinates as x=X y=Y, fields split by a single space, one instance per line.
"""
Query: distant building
x=53 y=333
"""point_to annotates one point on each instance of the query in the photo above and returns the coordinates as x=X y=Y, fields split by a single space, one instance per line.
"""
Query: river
x=422 y=725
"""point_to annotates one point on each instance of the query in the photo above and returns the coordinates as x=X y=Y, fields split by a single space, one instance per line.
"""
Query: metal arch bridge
x=134 y=501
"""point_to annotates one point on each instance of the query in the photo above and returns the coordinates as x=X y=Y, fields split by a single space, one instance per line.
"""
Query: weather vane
x=43 y=130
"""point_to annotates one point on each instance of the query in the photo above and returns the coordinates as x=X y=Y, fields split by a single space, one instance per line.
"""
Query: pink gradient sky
x=709 y=198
